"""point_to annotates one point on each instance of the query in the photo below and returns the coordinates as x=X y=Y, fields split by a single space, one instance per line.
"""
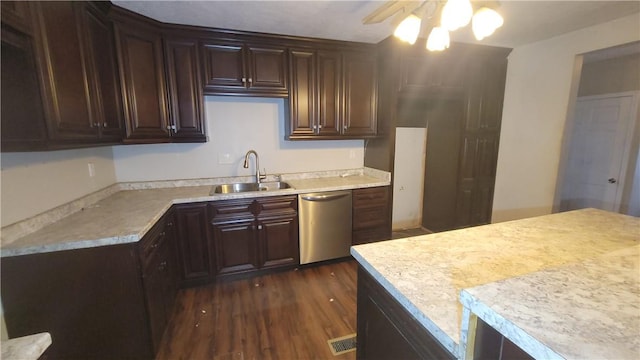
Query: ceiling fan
x=437 y=18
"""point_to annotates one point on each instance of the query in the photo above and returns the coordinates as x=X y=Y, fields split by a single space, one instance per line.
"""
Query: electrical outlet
x=92 y=169
x=225 y=159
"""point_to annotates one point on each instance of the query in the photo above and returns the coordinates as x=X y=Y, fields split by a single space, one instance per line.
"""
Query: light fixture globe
x=456 y=14
x=485 y=22
x=438 y=39
x=409 y=29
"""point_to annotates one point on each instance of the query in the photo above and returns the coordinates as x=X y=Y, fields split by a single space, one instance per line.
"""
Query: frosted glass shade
x=409 y=29
x=485 y=22
x=456 y=14
x=438 y=39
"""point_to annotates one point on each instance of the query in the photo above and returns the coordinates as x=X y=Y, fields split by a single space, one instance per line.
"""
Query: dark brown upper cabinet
x=237 y=68
x=184 y=89
x=77 y=72
x=17 y=15
x=143 y=83
x=332 y=94
x=159 y=74
x=22 y=118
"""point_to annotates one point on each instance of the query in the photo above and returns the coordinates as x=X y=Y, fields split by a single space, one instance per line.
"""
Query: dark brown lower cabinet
x=107 y=302
x=255 y=234
x=195 y=248
x=371 y=215
x=91 y=301
x=386 y=330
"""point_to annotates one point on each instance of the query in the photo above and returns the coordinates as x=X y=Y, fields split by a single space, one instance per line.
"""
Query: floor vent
x=343 y=344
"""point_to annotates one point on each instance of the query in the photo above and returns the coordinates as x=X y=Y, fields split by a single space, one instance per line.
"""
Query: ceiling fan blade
x=386 y=10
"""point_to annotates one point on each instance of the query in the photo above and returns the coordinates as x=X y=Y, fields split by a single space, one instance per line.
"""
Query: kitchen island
x=553 y=254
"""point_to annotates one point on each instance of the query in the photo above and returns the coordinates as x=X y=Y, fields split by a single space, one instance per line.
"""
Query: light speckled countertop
x=125 y=216
x=427 y=273
x=28 y=347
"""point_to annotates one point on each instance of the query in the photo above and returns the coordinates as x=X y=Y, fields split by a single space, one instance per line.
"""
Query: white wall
x=538 y=96
x=408 y=177
x=236 y=125
x=35 y=182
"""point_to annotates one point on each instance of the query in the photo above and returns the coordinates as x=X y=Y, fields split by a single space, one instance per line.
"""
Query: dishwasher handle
x=324 y=197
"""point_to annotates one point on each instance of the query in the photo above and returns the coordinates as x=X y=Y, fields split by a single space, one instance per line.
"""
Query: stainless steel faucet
x=246 y=165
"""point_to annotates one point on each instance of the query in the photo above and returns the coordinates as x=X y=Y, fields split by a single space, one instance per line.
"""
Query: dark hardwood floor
x=288 y=315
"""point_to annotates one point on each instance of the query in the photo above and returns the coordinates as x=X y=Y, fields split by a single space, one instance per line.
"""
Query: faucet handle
x=263 y=174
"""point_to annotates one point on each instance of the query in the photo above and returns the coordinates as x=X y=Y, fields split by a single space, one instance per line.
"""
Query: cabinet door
x=302 y=95
x=329 y=92
x=360 y=74
x=236 y=247
x=143 y=84
x=223 y=67
x=278 y=241
x=104 y=74
x=185 y=91
x=195 y=249
x=267 y=70
x=22 y=118
x=64 y=71
x=154 y=279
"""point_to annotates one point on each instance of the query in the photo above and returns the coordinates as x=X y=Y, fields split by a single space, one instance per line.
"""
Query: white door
x=598 y=152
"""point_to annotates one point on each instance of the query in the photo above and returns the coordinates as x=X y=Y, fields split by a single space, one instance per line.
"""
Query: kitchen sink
x=246 y=187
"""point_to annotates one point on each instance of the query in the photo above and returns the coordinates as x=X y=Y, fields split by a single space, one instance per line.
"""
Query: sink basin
x=246 y=187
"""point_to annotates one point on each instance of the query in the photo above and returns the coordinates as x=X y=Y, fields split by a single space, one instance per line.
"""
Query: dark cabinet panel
x=236 y=68
x=64 y=72
x=332 y=94
x=278 y=238
x=143 y=83
x=236 y=246
x=360 y=74
x=255 y=234
x=195 y=248
x=91 y=301
x=371 y=215
x=223 y=66
x=158 y=263
x=267 y=68
x=388 y=331
x=104 y=73
x=435 y=72
x=302 y=92
x=22 y=118
x=17 y=15
x=185 y=90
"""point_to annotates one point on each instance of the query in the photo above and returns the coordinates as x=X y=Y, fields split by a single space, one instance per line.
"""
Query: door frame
x=632 y=140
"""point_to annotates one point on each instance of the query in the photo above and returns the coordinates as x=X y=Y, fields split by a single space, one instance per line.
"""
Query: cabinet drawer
x=276 y=205
x=151 y=242
x=226 y=209
x=371 y=197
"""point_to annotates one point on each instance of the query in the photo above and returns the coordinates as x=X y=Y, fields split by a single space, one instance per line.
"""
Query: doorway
x=599 y=151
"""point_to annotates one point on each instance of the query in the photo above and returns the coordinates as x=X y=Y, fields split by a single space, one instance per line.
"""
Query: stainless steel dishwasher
x=325 y=225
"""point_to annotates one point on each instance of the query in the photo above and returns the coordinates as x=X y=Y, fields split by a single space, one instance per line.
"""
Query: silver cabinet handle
x=244 y=80
x=314 y=127
x=345 y=127
x=104 y=125
x=319 y=126
x=259 y=227
x=250 y=80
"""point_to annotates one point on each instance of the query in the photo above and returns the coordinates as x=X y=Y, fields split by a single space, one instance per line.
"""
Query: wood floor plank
x=281 y=316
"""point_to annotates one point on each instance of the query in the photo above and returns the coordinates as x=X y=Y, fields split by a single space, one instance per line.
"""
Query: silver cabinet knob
x=104 y=125
x=244 y=80
x=259 y=227
x=250 y=80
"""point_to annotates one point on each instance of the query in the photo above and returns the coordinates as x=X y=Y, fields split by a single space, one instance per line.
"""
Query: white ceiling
x=525 y=21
